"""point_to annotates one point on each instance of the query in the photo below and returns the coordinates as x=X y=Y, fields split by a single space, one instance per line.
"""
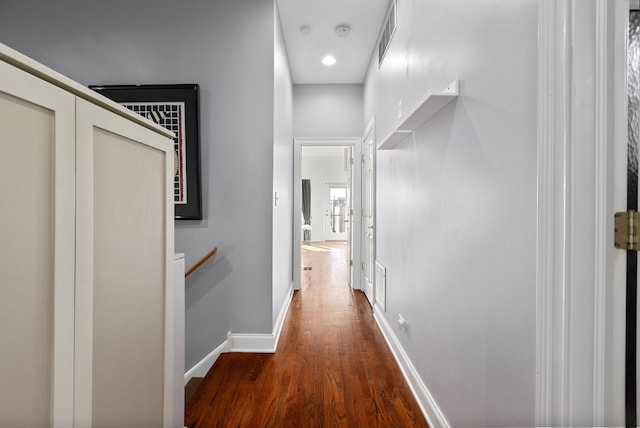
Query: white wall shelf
x=425 y=110
x=394 y=139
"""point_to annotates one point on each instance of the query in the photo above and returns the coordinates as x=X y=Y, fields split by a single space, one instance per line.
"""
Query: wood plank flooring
x=332 y=367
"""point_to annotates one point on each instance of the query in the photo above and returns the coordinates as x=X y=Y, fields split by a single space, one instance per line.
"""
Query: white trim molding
x=553 y=87
x=577 y=345
x=204 y=365
x=239 y=342
x=277 y=327
x=260 y=343
x=434 y=416
x=299 y=142
x=602 y=108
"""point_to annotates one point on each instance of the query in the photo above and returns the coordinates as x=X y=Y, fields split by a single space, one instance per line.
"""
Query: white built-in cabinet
x=86 y=257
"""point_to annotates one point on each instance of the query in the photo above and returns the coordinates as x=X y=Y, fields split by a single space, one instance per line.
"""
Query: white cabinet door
x=124 y=288
x=37 y=184
x=86 y=269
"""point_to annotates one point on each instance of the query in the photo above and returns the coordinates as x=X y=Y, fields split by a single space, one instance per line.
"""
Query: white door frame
x=581 y=183
x=298 y=143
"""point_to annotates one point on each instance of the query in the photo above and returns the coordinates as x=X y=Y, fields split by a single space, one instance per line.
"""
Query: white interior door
x=368 y=219
x=349 y=218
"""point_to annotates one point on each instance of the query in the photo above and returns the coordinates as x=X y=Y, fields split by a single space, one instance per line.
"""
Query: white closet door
x=124 y=291
x=37 y=184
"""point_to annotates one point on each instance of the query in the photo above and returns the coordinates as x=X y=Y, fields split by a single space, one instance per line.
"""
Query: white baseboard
x=277 y=328
x=204 y=365
x=430 y=409
x=261 y=343
x=239 y=342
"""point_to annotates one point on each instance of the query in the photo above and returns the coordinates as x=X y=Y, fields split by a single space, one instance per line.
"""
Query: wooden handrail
x=200 y=262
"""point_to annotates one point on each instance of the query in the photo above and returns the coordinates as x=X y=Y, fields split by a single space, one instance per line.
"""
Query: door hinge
x=362 y=266
x=350 y=263
x=362 y=158
x=626 y=236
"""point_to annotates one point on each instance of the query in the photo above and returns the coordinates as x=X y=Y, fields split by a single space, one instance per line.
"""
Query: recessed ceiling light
x=328 y=60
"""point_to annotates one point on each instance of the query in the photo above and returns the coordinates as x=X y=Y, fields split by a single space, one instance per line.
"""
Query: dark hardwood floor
x=332 y=367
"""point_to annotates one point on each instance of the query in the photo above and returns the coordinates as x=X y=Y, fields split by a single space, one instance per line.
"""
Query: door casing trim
x=566 y=245
x=298 y=143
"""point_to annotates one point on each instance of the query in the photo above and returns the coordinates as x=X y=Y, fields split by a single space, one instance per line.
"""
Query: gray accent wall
x=456 y=205
x=228 y=48
x=327 y=111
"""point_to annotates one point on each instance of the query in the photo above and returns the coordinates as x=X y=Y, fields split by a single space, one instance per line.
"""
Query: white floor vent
x=381 y=286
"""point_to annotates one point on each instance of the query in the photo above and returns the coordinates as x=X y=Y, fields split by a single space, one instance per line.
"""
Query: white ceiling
x=352 y=52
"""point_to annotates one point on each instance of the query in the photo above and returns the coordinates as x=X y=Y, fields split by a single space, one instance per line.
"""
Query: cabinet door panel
x=36 y=221
x=124 y=303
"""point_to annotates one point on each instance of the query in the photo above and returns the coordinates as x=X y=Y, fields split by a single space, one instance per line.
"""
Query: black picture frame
x=175 y=107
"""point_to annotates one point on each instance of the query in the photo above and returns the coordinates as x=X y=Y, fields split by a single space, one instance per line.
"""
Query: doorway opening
x=326 y=196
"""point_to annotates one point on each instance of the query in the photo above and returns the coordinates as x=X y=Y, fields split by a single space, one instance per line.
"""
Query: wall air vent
x=388 y=31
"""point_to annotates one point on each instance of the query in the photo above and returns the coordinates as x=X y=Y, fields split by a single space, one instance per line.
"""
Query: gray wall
x=456 y=207
x=327 y=110
x=282 y=174
x=228 y=48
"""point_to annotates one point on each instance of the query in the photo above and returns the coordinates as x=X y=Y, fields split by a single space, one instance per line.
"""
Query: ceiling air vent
x=388 y=31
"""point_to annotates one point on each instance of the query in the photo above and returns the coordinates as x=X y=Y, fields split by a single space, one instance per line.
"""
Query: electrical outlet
x=402 y=323
x=400 y=109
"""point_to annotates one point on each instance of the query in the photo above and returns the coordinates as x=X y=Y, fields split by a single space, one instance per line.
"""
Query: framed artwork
x=176 y=108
